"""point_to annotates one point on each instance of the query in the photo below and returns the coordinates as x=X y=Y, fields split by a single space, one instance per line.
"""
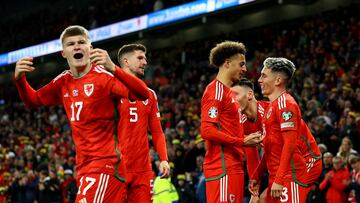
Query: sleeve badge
x=287 y=115
x=213 y=112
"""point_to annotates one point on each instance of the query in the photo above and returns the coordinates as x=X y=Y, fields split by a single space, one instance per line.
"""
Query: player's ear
x=227 y=63
x=278 y=80
x=63 y=54
x=126 y=61
x=249 y=95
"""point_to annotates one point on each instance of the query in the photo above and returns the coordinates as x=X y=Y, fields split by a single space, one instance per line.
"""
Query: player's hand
x=276 y=190
x=164 y=169
x=23 y=65
x=253 y=139
x=254 y=187
x=101 y=57
x=254 y=199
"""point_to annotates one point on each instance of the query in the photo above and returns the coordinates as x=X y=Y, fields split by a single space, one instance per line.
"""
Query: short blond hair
x=74 y=30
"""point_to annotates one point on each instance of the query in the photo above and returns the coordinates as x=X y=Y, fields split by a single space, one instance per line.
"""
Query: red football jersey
x=136 y=118
x=282 y=123
x=307 y=143
x=218 y=106
x=89 y=105
x=252 y=155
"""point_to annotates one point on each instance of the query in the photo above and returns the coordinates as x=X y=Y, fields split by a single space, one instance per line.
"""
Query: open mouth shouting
x=78 y=56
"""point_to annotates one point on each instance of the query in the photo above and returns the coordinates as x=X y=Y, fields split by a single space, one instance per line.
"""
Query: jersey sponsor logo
x=88 y=89
x=108 y=166
x=286 y=115
x=213 y=112
x=232 y=198
x=269 y=113
x=287 y=125
x=75 y=93
x=145 y=102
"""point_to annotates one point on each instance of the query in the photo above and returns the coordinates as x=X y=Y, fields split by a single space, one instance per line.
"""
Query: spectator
x=186 y=194
x=346 y=149
x=164 y=190
x=337 y=180
x=68 y=187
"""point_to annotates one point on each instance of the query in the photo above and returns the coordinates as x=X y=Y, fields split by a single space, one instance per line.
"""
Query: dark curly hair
x=225 y=50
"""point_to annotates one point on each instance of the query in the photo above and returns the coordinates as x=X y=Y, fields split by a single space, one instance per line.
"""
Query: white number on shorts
x=284 y=195
x=133 y=114
x=88 y=186
x=76 y=108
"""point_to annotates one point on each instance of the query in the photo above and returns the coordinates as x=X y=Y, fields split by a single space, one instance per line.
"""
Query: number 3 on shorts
x=284 y=195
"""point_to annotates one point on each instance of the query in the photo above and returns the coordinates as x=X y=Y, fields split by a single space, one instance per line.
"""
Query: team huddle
x=111 y=110
x=234 y=123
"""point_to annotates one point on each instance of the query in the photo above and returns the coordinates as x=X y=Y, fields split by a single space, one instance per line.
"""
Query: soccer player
x=87 y=92
x=251 y=118
x=281 y=129
x=221 y=127
x=136 y=119
x=253 y=113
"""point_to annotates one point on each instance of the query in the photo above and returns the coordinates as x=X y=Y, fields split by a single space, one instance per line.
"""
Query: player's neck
x=252 y=110
x=128 y=70
x=223 y=78
x=79 y=72
x=277 y=93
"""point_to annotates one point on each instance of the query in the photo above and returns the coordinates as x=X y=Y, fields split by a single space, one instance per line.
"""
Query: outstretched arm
x=138 y=89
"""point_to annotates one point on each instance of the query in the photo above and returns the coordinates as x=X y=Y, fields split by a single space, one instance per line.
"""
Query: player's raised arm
x=27 y=94
x=22 y=66
x=138 y=89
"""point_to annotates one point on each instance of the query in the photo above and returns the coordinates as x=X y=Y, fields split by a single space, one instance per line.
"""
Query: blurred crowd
x=37 y=153
x=48 y=22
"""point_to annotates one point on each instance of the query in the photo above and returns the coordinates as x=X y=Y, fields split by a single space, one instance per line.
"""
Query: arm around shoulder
x=138 y=89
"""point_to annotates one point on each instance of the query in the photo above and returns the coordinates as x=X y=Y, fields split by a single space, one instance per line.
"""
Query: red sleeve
x=260 y=170
x=210 y=113
x=158 y=137
x=46 y=95
x=210 y=132
x=138 y=89
x=252 y=159
x=286 y=155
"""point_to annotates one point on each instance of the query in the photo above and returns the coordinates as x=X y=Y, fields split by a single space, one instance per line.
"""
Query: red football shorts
x=229 y=188
x=100 y=187
x=140 y=187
